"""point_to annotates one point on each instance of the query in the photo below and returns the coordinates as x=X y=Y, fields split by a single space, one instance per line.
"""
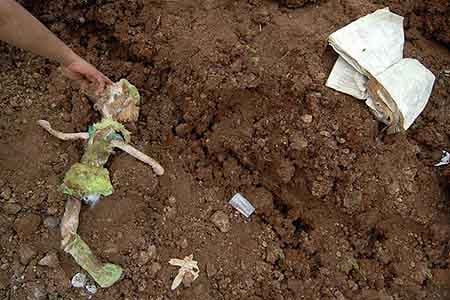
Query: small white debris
x=91 y=287
x=187 y=266
x=445 y=160
x=79 y=280
x=242 y=205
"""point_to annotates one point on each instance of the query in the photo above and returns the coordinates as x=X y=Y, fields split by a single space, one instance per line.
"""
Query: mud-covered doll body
x=89 y=180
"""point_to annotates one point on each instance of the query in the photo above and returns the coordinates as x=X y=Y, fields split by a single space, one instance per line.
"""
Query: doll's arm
x=61 y=135
x=159 y=170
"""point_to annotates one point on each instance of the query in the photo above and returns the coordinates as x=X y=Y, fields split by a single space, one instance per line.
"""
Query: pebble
x=51 y=222
x=184 y=244
x=79 y=280
x=50 y=260
x=221 y=220
x=91 y=287
x=26 y=253
x=306 y=118
x=6 y=193
x=325 y=133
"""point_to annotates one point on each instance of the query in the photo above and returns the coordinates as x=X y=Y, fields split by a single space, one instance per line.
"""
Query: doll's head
x=120 y=101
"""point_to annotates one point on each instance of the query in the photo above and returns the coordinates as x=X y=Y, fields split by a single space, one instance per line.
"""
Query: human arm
x=19 y=28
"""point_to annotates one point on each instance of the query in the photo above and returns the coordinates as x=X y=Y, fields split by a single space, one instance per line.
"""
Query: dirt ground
x=233 y=101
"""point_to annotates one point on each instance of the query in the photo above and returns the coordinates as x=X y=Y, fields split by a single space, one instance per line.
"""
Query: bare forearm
x=19 y=28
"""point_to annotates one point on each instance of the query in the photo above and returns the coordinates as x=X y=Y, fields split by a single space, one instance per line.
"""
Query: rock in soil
x=26 y=254
x=50 y=260
x=221 y=220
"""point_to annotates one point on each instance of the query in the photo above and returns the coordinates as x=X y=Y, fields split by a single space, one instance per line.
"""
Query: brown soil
x=234 y=101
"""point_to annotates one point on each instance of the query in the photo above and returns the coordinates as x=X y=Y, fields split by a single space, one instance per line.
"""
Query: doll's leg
x=70 y=220
x=61 y=135
x=105 y=274
x=159 y=170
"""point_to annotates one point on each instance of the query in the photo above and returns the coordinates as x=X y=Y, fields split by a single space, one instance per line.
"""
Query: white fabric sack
x=371 y=67
x=409 y=84
x=372 y=43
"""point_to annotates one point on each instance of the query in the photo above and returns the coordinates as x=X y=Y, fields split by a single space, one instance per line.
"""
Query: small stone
x=79 y=280
x=325 y=133
x=154 y=269
x=341 y=140
x=306 y=118
x=50 y=260
x=11 y=208
x=221 y=220
x=211 y=270
x=6 y=193
x=26 y=253
x=91 y=287
x=36 y=291
x=51 y=222
x=184 y=244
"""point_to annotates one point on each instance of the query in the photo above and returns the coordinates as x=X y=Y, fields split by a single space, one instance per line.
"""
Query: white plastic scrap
x=371 y=67
x=187 y=265
x=91 y=287
x=445 y=160
x=79 y=280
x=242 y=205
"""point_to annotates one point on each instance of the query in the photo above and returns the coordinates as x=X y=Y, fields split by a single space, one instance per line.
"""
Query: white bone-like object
x=159 y=170
x=61 y=135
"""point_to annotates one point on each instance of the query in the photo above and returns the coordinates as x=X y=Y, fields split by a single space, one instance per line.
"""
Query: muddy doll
x=89 y=180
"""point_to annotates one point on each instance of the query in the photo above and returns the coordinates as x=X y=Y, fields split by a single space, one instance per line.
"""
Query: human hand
x=86 y=75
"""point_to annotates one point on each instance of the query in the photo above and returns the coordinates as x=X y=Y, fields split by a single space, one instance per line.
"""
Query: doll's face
x=120 y=102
